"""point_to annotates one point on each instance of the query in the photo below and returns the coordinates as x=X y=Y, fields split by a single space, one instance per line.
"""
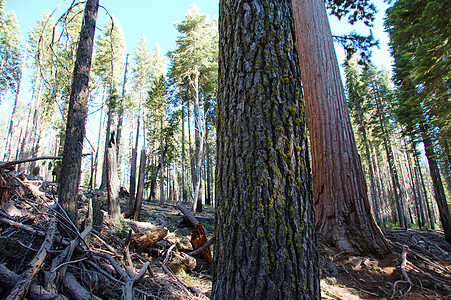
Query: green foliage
x=419 y=39
x=109 y=56
x=10 y=56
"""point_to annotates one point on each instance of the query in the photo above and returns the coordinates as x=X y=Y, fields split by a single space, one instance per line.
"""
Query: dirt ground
x=105 y=264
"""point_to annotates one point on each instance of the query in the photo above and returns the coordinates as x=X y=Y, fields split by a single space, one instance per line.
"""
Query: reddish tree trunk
x=339 y=187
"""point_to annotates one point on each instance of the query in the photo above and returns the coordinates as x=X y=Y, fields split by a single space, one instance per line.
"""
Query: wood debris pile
x=44 y=256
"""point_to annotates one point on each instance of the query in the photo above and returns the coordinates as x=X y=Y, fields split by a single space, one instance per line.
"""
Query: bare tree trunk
x=78 y=111
x=424 y=192
x=121 y=109
x=108 y=131
x=114 y=207
x=162 y=164
x=198 y=136
x=184 y=193
x=140 y=189
x=342 y=208
x=132 y=189
x=10 y=132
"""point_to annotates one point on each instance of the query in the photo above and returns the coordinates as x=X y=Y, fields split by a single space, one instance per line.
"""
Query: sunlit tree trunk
x=339 y=188
x=76 y=119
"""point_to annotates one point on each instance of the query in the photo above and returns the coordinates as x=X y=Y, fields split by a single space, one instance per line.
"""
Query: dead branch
x=403 y=267
x=8 y=279
x=21 y=161
x=35 y=265
x=51 y=280
x=75 y=289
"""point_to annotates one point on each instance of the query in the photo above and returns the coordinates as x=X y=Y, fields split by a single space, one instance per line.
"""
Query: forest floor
x=154 y=259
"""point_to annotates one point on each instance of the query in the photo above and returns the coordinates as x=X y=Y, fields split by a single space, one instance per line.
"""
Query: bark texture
x=339 y=188
x=76 y=118
x=265 y=246
x=113 y=185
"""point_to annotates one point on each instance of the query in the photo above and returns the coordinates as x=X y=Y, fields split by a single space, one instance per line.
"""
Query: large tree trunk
x=76 y=118
x=439 y=191
x=265 y=245
x=343 y=212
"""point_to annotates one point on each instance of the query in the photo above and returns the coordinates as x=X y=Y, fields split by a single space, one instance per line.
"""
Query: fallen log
x=141 y=241
x=187 y=213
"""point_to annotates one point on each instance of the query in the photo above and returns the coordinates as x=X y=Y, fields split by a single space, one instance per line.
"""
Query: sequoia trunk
x=339 y=187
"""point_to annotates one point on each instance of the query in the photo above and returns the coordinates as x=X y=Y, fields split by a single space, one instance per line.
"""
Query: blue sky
x=155 y=19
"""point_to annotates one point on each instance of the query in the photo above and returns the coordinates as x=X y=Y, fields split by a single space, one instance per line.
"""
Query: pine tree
x=10 y=56
x=190 y=61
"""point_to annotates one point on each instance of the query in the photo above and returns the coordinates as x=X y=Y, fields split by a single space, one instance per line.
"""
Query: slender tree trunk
x=184 y=193
x=429 y=209
x=265 y=237
x=140 y=189
x=414 y=188
x=99 y=138
x=198 y=136
x=109 y=124
x=78 y=111
x=162 y=164
x=392 y=167
x=342 y=208
x=207 y=171
x=10 y=132
x=439 y=192
x=131 y=202
x=114 y=207
x=121 y=109
x=381 y=187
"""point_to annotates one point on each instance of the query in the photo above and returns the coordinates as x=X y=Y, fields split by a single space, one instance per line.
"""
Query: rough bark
x=339 y=188
x=76 y=118
x=265 y=245
x=114 y=207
